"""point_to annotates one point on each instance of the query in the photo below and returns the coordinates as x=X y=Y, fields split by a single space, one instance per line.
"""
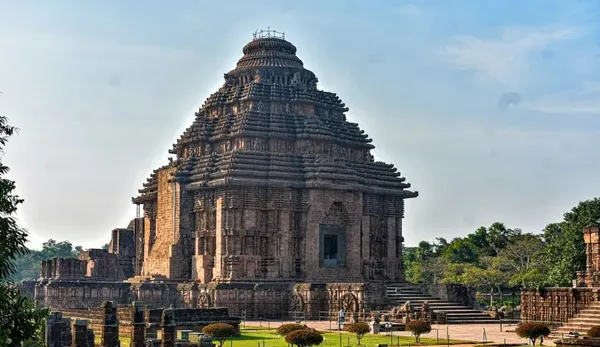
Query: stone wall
x=553 y=305
x=95 y=318
x=162 y=256
x=63 y=269
x=84 y=294
x=185 y=318
x=268 y=300
x=452 y=292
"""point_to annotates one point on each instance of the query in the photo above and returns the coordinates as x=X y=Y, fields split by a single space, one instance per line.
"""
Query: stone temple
x=271 y=203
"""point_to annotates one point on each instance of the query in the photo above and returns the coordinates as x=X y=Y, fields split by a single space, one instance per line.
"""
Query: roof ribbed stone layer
x=270 y=101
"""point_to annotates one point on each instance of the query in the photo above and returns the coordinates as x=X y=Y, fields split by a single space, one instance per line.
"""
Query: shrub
x=219 y=331
x=304 y=338
x=418 y=327
x=594 y=331
x=288 y=328
x=532 y=331
x=360 y=329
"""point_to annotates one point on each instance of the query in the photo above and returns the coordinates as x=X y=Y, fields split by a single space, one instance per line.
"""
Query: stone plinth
x=82 y=335
x=169 y=333
x=57 y=331
x=138 y=331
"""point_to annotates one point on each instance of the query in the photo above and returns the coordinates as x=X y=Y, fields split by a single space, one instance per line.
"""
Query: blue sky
x=101 y=90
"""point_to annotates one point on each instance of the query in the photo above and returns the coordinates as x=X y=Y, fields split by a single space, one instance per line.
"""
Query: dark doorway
x=330 y=249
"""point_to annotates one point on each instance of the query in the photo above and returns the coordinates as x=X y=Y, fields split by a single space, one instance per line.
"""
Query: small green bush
x=304 y=338
x=219 y=331
x=594 y=331
x=418 y=327
x=360 y=329
x=532 y=331
x=285 y=329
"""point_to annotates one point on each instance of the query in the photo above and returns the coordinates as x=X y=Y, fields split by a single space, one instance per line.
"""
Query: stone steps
x=580 y=323
x=398 y=294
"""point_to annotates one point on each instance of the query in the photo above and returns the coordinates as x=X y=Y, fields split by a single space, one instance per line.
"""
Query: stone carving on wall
x=257 y=144
x=296 y=303
x=307 y=147
x=295 y=81
x=288 y=109
x=204 y=301
x=349 y=303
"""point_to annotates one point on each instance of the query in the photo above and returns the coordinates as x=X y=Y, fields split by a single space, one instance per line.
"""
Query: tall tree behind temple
x=27 y=266
x=565 y=250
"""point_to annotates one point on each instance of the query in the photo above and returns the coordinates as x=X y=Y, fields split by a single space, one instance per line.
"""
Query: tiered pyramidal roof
x=270 y=125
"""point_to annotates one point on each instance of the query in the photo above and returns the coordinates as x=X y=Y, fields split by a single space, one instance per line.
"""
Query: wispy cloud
x=582 y=101
x=505 y=58
x=407 y=10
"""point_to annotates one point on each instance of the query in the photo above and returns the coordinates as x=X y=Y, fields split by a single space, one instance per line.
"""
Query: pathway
x=456 y=331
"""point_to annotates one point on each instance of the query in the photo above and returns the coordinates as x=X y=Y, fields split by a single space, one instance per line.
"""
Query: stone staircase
x=580 y=323
x=399 y=293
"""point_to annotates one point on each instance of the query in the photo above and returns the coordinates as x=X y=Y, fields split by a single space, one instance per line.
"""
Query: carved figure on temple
x=295 y=79
x=204 y=301
x=296 y=303
x=349 y=303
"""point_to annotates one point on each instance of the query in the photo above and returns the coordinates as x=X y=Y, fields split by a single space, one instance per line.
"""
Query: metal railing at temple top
x=262 y=34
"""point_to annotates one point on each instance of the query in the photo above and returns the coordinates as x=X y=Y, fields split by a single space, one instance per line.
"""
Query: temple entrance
x=332 y=245
x=330 y=250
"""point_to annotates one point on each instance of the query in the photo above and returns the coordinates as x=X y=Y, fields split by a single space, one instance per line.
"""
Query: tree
x=490 y=277
x=360 y=329
x=52 y=249
x=460 y=251
x=594 y=331
x=532 y=331
x=521 y=257
x=304 y=338
x=498 y=236
x=564 y=253
x=219 y=332
x=418 y=327
x=20 y=319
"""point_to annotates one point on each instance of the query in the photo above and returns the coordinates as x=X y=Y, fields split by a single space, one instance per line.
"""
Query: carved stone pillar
x=110 y=325
x=138 y=331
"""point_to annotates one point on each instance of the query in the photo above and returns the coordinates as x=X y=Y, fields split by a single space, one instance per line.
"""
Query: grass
x=259 y=337
x=255 y=336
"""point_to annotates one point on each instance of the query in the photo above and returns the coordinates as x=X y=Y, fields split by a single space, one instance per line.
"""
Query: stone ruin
x=169 y=327
x=559 y=305
x=271 y=204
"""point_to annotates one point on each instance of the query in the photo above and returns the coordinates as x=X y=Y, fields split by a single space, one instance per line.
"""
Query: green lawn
x=256 y=336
